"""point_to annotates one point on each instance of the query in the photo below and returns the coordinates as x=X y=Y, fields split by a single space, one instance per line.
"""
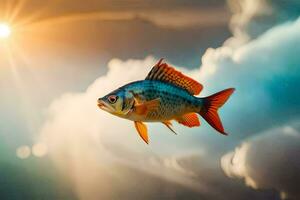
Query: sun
x=5 y=30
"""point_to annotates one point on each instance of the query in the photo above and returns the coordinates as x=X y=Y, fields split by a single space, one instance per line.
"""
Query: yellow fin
x=169 y=125
x=142 y=130
x=189 y=120
x=163 y=72
x=142 y=108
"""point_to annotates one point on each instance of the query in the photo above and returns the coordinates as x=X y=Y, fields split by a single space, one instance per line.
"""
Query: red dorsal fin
x=163 y=72
x=189 y=120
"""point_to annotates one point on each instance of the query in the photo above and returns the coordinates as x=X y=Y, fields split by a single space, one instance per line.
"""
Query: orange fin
x=210 y=108
x=163 y=72
x=189 y=120
x=169 y=125
x=142 y=108
x=142 y=130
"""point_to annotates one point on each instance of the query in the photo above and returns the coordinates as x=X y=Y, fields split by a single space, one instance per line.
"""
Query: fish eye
x=112 y=98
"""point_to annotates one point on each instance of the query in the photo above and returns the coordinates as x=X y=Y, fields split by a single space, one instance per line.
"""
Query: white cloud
x=79 y=135
x=92 y=147
x=267 y=161
x=265 y=73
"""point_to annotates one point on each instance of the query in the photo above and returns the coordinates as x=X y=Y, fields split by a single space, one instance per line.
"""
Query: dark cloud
x=66 y=6
x=253 y=18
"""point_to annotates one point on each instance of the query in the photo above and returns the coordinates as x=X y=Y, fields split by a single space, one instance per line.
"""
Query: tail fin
x=211 y=104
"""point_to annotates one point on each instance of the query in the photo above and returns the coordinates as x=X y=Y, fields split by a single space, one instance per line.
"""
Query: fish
x=165 y=95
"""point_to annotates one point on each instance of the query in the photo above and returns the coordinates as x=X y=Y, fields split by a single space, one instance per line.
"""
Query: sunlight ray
x=21 y=53
x=84 y=16
x=16 y=10
x=7 y=9
x=12 y=65
x=26 y=99
x=21 y=24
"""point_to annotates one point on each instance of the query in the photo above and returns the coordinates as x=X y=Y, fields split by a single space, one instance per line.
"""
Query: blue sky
x=55 y=66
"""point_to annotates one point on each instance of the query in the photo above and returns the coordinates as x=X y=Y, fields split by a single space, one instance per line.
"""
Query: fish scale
x=174 y=101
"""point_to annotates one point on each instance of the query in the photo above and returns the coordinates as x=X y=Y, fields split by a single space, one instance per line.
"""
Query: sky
x=63 y=55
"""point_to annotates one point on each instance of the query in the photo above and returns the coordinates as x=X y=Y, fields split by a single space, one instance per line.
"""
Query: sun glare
x=5 y=30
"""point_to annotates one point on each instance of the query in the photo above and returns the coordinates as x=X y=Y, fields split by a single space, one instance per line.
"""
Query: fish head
x=118 y=102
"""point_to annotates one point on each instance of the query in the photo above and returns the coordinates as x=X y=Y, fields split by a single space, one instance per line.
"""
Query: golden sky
x=57 y=57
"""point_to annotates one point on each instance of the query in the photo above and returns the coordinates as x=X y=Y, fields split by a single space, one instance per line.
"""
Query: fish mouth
x=100 y=105
x=103 y=106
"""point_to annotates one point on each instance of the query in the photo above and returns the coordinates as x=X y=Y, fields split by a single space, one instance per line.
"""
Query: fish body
x=174 y=101
x=166 y=94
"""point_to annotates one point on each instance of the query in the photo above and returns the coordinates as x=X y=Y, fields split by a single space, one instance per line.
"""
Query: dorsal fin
x=163 y=72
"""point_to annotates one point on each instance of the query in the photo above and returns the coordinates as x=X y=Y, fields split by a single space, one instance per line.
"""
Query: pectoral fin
x=142 y=130
x=169 y=125
x=142 y=108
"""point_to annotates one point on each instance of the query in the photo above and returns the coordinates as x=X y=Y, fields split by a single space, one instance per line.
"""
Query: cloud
x=251 y=18
x=85 y=143
x=269 y=160
x=79 y=135
x=265 y=73
x=243 y=20
x=169 y=14
x=104 y=157
x=176 y=19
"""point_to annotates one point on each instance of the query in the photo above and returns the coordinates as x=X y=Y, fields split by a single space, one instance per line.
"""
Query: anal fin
x=189 y=120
